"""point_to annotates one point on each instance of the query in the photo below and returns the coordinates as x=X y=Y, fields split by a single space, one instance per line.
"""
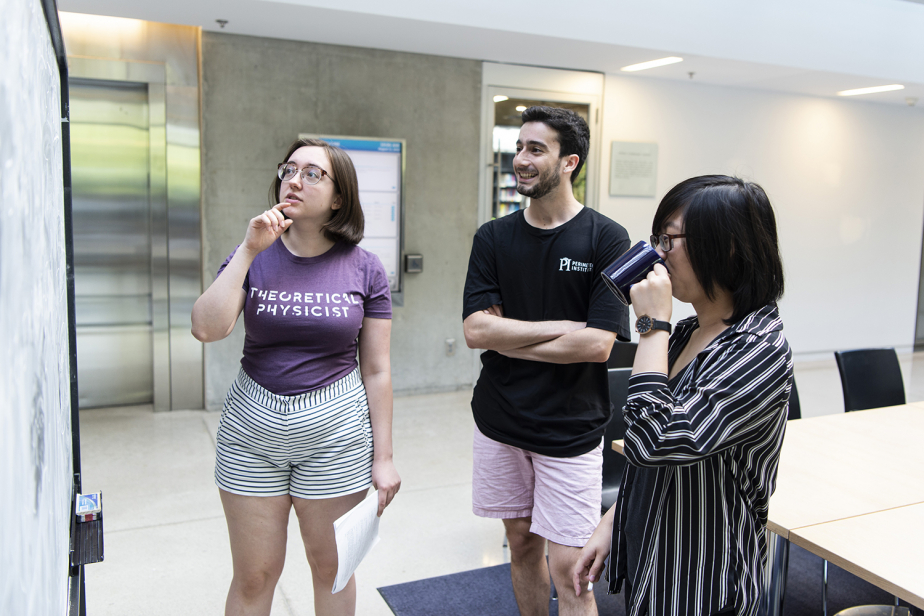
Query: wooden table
x=850 y=488
x=885 y=548
x=848 y=464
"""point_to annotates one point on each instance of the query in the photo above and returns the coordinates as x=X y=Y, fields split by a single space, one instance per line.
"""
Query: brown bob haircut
x=347 y=223
x=731 y=239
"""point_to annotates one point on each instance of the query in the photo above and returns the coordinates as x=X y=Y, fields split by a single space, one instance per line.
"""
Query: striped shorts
x=313 y=445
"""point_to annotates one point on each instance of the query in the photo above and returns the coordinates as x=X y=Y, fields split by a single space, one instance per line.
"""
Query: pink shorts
x=561 y=495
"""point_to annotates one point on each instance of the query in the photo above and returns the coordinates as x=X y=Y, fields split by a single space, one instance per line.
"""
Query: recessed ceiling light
x=859 y=91
x=521 y=108
x=652 y=64
x=500 y=98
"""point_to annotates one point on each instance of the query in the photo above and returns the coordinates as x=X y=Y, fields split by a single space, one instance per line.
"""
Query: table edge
x=850 y=567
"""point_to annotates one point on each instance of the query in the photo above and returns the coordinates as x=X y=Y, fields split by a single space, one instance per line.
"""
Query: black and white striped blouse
x=703 y=451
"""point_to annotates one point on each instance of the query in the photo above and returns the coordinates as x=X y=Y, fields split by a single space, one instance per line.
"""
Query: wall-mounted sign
x=633 y=169
x=380 y=172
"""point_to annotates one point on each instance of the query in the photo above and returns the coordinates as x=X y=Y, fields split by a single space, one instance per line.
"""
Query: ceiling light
x=500 y=98
x=521 y=108
x=871 y=90
x=653 y=64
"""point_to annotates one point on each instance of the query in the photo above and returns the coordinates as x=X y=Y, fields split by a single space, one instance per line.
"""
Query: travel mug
x=631 y=267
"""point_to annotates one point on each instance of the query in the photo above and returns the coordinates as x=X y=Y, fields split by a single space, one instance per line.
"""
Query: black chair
x=870 y=378
x=795 y=409
x=614 y=463
x=622 y=355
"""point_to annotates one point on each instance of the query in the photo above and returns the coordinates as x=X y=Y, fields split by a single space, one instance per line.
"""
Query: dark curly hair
x=573 y=132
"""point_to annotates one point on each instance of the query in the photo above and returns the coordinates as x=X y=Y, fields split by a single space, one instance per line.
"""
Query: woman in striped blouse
x=706 y=411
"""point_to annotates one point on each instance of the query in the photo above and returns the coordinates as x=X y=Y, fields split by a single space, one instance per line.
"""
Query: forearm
x=379 y=395
x=485 y=331
x=215 y=312
x=651 y=353
x=584 y=345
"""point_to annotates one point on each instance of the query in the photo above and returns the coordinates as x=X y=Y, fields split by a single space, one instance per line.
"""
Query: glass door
x=506 y=91
x=506 y=131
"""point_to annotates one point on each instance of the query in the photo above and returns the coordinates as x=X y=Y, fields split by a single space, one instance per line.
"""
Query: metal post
x=771 y=603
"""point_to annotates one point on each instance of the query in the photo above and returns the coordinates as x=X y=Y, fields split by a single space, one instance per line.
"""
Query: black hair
x=573 y=133
x=347 y=223
x=731 y=239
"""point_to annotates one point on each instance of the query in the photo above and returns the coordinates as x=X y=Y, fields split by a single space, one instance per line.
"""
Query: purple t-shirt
x=302 y=315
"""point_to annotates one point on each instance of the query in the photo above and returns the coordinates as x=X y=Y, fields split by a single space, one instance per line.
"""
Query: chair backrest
x=613 y=463
x=622 y=355
x=795 y=409
x=870 y=378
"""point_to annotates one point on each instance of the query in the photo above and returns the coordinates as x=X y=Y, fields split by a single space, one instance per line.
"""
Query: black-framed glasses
x=310 y=174
x=665 y=240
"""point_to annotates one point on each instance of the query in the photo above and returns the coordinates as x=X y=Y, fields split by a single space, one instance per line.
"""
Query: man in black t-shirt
x=535 y=301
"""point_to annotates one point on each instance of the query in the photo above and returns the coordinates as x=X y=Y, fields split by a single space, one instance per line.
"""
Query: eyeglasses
x=665 y=240
x=310 y=174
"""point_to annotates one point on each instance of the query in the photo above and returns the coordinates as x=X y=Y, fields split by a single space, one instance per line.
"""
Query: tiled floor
x=166 y=543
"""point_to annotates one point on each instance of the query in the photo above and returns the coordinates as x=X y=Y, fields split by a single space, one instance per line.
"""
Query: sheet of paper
x=356 y=531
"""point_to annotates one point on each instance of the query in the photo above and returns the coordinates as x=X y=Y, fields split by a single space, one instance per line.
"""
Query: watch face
x=643 y=325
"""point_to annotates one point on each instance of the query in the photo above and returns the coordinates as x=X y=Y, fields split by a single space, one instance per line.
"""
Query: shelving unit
x=506 y=198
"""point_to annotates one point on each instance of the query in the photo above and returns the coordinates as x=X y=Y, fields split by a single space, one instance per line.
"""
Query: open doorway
x=507 y=122
x=506 y=91
x=504 y=88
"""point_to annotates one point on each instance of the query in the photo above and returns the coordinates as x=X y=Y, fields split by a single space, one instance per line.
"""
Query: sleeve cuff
x=646 y=382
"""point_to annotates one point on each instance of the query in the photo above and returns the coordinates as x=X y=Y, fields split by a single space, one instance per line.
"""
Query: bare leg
x=529 y=570
x=257 y=529
x=562 y=559
x=316 y=521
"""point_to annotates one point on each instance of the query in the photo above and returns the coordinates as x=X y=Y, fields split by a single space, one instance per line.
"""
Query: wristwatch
x=645 y=324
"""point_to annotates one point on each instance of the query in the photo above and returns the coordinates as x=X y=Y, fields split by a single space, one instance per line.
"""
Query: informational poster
x=380 y=170
x=633 y=169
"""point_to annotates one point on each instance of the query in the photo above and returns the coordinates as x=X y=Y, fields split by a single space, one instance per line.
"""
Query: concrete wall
x=259 y=94
x=845 y=177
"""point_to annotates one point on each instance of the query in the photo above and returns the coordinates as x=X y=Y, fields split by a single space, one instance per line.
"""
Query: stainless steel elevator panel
x=163 y=59
x=111 y=166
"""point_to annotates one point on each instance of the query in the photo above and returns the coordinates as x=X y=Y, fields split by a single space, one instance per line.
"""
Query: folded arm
x=584 y=345
x=489 y=329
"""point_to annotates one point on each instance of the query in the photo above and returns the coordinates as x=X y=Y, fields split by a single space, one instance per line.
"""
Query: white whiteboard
x=36 y=448
x=380 y=170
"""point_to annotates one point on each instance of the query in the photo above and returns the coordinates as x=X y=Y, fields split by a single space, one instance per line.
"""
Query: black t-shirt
x=545 y=275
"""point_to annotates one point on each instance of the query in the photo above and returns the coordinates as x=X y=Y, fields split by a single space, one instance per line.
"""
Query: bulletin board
x=379 y=166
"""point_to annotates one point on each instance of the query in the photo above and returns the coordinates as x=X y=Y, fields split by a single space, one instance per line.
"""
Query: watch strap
x=645 y=324
x=662 y=325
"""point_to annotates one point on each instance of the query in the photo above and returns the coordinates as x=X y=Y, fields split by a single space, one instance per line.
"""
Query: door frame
x=154 y=76
x=546 y=84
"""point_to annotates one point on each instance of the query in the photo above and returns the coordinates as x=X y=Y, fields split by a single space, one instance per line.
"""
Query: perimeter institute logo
x=569 y=265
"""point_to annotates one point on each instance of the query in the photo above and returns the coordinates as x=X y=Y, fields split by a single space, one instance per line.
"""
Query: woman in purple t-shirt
x=305 y=424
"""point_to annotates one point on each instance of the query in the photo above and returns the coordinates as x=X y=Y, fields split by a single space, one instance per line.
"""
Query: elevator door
x=110 y=154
